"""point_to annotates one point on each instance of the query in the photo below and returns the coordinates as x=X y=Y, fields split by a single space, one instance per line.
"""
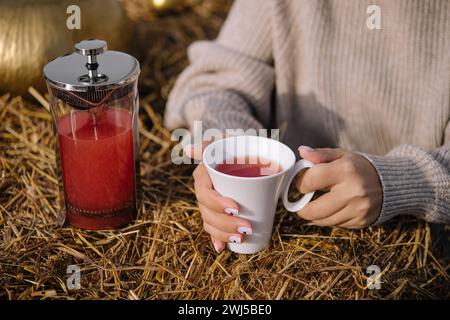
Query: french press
x=94 y=106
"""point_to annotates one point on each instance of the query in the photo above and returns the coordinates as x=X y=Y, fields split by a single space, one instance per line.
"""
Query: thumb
x=321 y=155
x=195 y=151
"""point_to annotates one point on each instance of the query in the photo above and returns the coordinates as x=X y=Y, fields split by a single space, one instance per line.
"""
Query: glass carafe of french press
x=94 y=105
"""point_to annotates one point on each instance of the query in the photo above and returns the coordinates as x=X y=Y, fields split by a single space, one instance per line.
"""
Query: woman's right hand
x=220 y=214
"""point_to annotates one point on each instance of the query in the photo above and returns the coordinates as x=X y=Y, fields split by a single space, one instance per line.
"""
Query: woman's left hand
x=355 y=196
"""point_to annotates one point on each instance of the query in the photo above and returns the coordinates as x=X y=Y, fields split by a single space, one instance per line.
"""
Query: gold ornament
x=33 y=32
x=164 y=5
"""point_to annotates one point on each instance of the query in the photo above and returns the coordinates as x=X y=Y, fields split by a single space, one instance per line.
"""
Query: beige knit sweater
x=313 y=69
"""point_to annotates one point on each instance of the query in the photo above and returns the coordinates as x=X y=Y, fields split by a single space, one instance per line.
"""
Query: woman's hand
x=355 y=196
x=219 y=214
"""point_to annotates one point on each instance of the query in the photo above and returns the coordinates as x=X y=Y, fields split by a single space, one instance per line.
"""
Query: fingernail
x=245 y=230
x=306 y=148
x=235 y=239
x=232 y=211
x=217 y=246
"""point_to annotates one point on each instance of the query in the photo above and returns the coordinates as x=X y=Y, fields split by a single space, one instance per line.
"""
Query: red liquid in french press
x=96 y=134
x=98 y=167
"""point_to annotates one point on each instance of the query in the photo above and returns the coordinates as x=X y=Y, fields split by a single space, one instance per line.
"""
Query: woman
x=371 y=106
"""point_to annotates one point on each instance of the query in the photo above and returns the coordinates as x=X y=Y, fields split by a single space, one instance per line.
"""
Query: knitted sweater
x=315 y=70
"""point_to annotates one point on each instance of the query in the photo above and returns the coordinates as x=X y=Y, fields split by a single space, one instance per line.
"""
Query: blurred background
x=157 y=32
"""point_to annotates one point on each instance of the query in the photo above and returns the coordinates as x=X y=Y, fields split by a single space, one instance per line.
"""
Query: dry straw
x=164 y=254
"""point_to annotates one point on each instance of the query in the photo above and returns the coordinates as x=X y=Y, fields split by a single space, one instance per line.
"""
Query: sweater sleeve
x=229 y=78
x=415 y=182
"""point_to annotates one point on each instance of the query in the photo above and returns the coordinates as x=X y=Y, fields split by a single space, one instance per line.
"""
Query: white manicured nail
x=232 y=211
x=235 y=239
x=245 y=230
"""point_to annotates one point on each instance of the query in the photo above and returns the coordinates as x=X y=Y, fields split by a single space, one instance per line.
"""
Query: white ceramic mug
x=258 y=196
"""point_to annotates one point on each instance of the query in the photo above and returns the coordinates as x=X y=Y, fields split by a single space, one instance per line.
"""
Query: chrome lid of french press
x=91 y=49
x=92 y=67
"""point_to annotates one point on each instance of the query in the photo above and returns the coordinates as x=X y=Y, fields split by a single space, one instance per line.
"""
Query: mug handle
x=303 y=201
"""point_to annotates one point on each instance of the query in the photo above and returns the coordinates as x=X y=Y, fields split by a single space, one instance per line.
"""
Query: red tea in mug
x=249 y=167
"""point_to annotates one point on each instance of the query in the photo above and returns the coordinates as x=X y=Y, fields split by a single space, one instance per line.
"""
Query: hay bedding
x=164 y=254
